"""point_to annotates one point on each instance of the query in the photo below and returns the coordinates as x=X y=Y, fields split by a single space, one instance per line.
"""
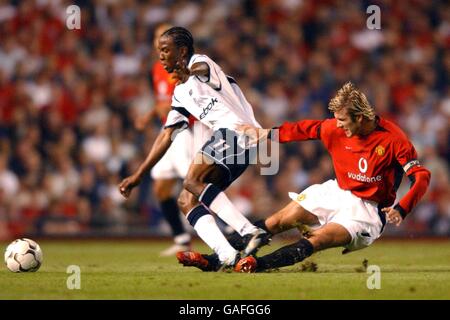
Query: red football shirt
x=163 y=84
x=371 y=166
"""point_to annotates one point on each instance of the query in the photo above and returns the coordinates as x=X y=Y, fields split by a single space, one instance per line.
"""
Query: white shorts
x=332 y=204
x=176 y=161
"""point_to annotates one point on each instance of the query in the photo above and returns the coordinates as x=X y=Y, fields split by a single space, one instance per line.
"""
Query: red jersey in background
x=163 y=87
x=163 y=84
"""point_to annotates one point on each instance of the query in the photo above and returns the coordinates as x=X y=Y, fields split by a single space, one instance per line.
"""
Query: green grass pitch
x=133 y=270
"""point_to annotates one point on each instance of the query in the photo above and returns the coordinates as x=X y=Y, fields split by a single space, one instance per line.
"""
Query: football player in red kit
x=369 y=155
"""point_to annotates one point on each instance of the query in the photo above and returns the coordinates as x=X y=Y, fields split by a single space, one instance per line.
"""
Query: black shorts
x=223 y=148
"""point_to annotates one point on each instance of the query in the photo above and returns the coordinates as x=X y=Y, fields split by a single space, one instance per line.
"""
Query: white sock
x=225 y=209
x=210 y=233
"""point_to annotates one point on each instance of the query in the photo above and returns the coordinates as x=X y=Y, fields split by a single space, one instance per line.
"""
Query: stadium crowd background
x=68 y=100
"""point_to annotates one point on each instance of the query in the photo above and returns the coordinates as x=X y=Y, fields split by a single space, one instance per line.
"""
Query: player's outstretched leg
x=285 y=256
x=329 y=236
x=211 y=262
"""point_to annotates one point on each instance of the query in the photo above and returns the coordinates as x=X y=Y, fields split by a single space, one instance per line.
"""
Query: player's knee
x=316 y=243
x=321 y=241
x=277 y=223
x=192 y=185
x=186 y=201
x=273 y=223
x=285 y=223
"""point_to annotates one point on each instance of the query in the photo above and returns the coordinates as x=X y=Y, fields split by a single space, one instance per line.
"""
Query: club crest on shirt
x=380 y=151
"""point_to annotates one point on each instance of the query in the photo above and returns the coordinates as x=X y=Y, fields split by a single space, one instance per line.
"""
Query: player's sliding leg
x=163 y=190
x=329 y=236
x=287 y=218
x=211 y=262
x=291 y=216
x=206 y=227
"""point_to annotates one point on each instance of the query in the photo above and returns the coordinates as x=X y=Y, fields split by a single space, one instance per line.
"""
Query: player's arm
x=287 y=132
x=203 y=69
x=200 y=69
x=420 y=179
x=419 y=176
x=159 y=148
x=177 y=121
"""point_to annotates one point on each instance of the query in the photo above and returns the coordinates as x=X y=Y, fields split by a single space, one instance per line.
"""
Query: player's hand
x=393 y=216
x=128 y=184
x=255 y=134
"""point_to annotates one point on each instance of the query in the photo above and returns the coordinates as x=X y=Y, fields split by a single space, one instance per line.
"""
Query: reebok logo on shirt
x=208 y=107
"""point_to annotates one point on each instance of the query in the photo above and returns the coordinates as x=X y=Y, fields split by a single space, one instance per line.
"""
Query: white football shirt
x=217 y=101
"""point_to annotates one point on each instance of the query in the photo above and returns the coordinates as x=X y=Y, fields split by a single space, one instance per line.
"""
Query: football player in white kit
x=205 y=92
x=175 y=163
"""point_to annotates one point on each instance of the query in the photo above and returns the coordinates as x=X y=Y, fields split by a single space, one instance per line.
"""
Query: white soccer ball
x=23 y=255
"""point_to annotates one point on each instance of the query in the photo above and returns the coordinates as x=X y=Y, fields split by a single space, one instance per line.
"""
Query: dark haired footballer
x=205 y=92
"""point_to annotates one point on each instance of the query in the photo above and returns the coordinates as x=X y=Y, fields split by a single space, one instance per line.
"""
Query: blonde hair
x=353 y=100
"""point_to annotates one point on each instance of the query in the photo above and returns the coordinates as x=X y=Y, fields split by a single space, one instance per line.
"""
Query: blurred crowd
x=69 y=98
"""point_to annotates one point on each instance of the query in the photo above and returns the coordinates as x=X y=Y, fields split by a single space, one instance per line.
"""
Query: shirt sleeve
x=178 y=115
x=213 y=80
x=175 y=118
x=419 y=176
x=301 y=130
